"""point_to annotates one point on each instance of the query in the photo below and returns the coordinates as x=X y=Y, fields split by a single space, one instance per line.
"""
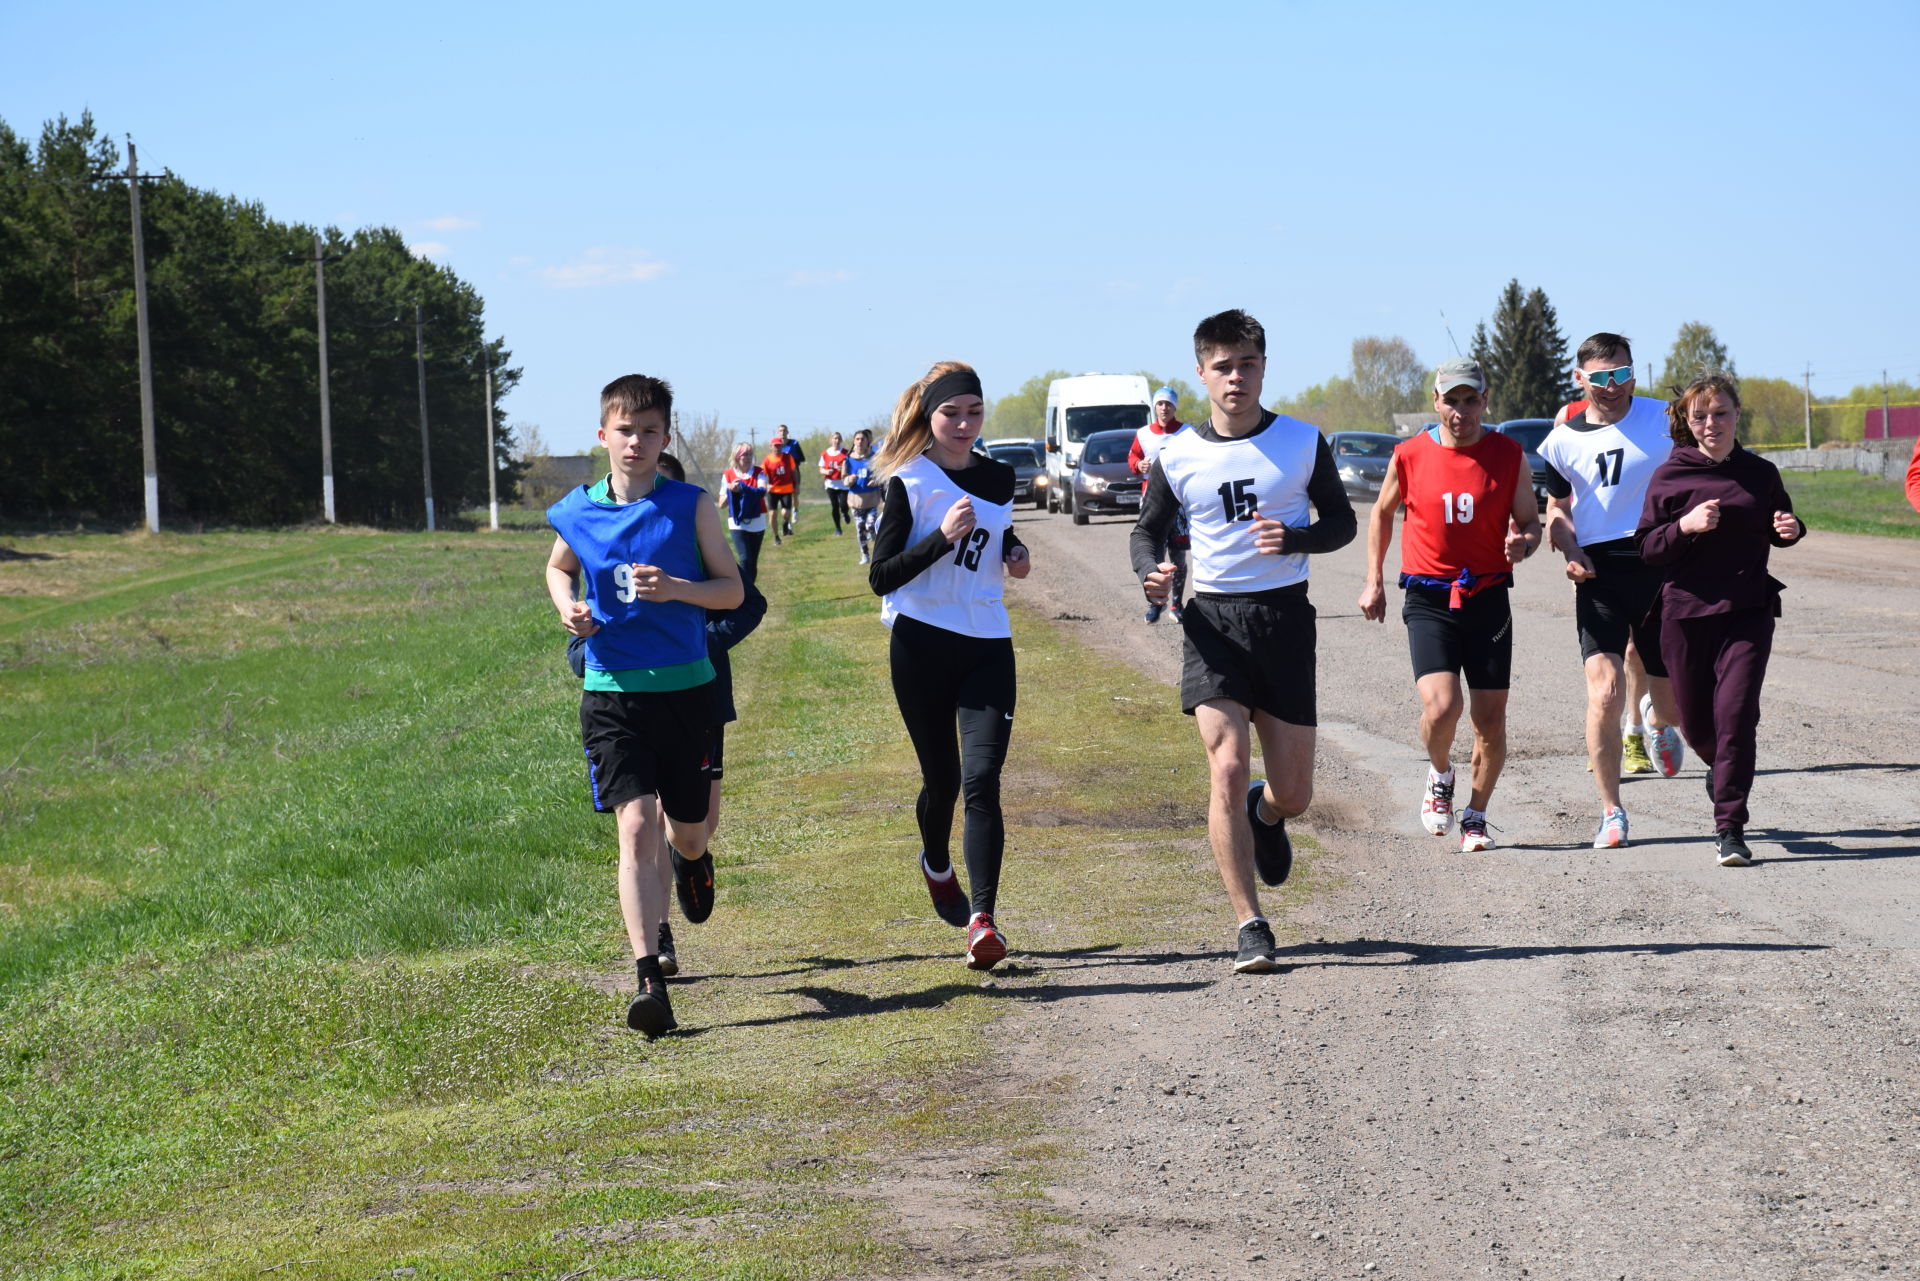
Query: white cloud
x=428 y=249
x=819 y=278
x=450 y=222
x=604 y=265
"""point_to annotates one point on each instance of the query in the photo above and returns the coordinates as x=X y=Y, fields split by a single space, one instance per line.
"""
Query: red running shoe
x=986 y=945
x=944 y=889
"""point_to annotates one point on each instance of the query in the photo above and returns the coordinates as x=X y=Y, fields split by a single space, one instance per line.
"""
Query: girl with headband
x=944 y=546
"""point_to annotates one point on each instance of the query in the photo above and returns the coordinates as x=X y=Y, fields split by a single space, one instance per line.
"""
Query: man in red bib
x=1471 y=516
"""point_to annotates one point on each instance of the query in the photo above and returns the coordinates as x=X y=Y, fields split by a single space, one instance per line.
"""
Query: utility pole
x=493 y=470
x=426 y=451
x=147 y=457
x=1886 y=411
x=326 y=399
x=1806 y=389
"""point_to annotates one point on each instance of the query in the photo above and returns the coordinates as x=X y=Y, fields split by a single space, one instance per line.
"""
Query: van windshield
x=1083 y=422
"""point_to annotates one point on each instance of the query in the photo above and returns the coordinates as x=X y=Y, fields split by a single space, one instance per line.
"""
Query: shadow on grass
x=1100 y=954
x=832 y=1003
x=8 y=553
x=1364 y=951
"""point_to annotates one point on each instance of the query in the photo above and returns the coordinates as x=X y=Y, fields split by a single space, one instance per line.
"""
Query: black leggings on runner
x=838 y=499
x=746 y=549
x=939 y=676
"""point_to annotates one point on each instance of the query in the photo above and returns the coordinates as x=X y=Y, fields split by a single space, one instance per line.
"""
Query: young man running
x=1471 y=516
x=1140 y=455
x=1598 y=464
x=1246 y=480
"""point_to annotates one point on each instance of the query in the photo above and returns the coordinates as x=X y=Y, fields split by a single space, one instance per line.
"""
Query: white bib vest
x=963 y=591
x=1609 y=468
x=1222 y=484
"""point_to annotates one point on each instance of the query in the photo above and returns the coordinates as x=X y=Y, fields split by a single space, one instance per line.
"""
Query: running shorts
x=653 y=743
x=715 y=772
x=1256 y=650
x=1618 y=604
x=1476 y=639
x=777 y=501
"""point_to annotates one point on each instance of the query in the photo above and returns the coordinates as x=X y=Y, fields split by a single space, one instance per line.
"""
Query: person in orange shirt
x=782 y=477
x=1913 y=477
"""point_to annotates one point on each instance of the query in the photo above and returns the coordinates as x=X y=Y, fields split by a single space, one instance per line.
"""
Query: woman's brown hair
x=911 y=430
x=1683 y=398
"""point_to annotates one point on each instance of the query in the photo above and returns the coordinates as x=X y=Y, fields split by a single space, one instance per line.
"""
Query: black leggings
x=838 y=498
x=746 y=549
x=939 y=675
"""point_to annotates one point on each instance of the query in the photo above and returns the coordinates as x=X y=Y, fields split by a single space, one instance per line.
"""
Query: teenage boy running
x=1245 y=480
x=653 y=560
x=783 y=476
x=1598 y=464
x=1471 y=516
x=1140 y=455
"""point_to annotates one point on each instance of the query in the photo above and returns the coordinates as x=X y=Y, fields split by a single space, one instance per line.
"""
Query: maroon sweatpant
x=1716 y=663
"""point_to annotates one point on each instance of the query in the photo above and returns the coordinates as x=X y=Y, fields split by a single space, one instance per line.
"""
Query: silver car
x=1362 y=458
x=1102 y=485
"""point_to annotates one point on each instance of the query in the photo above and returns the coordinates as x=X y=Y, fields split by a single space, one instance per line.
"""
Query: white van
x=1078 y=407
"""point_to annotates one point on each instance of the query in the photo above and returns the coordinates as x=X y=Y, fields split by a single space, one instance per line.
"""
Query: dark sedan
x=1029 y=473
x=1102 y=484
x=1362 y=458
x=1530 y=432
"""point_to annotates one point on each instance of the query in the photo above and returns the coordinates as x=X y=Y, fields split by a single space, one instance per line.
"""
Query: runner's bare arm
x=1523 y=531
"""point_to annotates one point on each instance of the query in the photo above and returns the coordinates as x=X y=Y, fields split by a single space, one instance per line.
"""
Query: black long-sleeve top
x=1333 y=529
x=894 y=563
x=1725 y=568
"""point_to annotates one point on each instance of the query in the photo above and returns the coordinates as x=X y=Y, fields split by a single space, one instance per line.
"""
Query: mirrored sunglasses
x=1610 y=377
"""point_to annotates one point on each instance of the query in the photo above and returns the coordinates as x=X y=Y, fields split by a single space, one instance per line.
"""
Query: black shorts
x=1257 y=651
x=1618 y=604
x=776 y=501
x=649 y=744
x=1475 y=640
x=715 y=746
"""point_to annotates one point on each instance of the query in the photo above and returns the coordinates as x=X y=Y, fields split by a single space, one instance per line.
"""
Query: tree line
x=234 y=326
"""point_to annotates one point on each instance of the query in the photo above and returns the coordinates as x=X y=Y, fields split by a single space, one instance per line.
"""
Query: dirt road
x=1544 y=1061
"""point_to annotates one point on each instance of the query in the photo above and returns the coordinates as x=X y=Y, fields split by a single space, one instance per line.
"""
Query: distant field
x=1849 y=503
x=310 y=963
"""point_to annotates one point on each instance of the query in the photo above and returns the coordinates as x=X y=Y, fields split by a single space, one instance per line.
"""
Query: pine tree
x=1525 y=357
x=1696 y=350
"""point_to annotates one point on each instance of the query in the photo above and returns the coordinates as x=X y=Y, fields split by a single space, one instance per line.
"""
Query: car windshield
x=1364 y=446
x=1107 y=449
x=1083 y=422
x=1015 y=455
x=1528 y=434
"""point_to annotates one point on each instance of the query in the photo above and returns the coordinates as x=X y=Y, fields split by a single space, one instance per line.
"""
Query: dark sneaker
x=1732 y=848
x=651 y=1013
x=944 y=889
x=986 y=945
x=693 y=885
x=1272 y=850
x=1255 y=955
x=663 y=948
x=1153 y=613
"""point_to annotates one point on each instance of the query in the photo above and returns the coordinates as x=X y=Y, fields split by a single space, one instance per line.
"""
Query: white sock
x=1469 y=812
x=1636 y=728
x=938 y=876
x=1438 y=777
x=1251 y=919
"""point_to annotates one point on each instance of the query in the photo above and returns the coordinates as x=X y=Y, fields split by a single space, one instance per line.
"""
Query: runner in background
x=863 y=491
x=1140 y=455
x=784 y=441
x=744 y=492
x=833 y=470
x=783 y=477
x=1913 y=477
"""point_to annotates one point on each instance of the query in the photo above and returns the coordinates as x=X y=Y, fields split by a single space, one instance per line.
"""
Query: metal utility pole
x=1806 y=389
x=426 y=451
x=326 y=399
x=147 y=457
x=493 y=470
x=1886 y=411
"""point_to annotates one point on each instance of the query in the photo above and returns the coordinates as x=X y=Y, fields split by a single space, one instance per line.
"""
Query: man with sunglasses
x=1598 y=464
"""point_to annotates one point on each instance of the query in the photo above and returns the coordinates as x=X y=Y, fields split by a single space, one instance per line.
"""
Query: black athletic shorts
x=646 y=744
x=1618 y=603
x=779 y=500
x=1255 y=650
x=1475 y=640
x=716 y=745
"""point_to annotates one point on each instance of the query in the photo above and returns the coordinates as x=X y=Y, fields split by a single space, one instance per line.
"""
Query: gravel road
x=1546 y=1060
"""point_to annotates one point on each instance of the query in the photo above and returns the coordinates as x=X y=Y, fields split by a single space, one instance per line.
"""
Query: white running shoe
x=1664 y=745
x=1613 y=831
x=1436 y=810
x=1473 y=831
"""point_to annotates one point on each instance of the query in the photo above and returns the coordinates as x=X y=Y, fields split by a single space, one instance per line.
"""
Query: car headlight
x=1039 y=481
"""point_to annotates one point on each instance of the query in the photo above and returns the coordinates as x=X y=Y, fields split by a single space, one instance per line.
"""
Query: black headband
x=955 y=382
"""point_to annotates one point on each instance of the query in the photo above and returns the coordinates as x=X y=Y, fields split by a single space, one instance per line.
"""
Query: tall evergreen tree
x=1525 y=357
x=1696 y=350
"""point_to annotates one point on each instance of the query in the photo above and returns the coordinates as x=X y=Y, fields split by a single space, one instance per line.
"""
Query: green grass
x=310 y=959
x=1849 y=503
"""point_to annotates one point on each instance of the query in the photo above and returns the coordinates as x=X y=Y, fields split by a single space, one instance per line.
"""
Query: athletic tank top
x=1609 y=467
x=1458 y=504
x=1221 y=484
x=963 y=591
x=833 y=467
x=780 y=471
x=860 y=475
x=747 y=505
x=1151 y=442
x=658 y=529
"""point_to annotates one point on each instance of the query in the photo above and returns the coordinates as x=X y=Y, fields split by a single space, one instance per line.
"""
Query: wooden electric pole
x=426 y=450
x=147 y=455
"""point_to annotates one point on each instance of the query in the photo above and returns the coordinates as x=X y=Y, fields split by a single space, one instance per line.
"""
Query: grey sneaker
x=1255 y=955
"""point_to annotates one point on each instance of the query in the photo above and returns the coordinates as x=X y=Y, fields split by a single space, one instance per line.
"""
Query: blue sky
x=790 y=211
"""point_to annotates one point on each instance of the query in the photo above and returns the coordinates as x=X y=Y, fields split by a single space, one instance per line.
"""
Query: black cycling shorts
x=1255 y=650
x=715 y=748
x=649 y=744
x=1618 y=604
x=1475 y=640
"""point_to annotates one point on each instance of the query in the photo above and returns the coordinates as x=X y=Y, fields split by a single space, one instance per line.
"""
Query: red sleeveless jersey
x=1458 y=502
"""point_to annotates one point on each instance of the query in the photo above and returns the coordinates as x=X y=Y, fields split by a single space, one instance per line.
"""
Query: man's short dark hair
x=670 y=467
x=1228 y=329
x=1601 y=346
x=635 y=394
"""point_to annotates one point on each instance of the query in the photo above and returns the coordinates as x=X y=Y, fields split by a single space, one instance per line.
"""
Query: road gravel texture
x=1541 y=1061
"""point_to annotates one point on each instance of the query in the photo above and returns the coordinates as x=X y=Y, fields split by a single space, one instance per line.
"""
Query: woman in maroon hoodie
x=1713 y=513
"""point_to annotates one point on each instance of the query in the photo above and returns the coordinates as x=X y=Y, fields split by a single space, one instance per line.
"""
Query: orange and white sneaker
x=1612 y=834
x=1436 y=808
x=1473 y=831
x=986 y=945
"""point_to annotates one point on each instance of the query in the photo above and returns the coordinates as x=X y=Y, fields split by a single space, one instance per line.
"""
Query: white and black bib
x=963 y=591
x=1222 y=484
x=1608 y=468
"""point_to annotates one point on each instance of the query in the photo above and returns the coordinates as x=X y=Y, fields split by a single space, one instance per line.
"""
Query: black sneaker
x=693 y=885
x=1272 y=850
x=1732 y=848
x=944 y=889
x=669 y=962
x=1255 y=955
x=651 y=1013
